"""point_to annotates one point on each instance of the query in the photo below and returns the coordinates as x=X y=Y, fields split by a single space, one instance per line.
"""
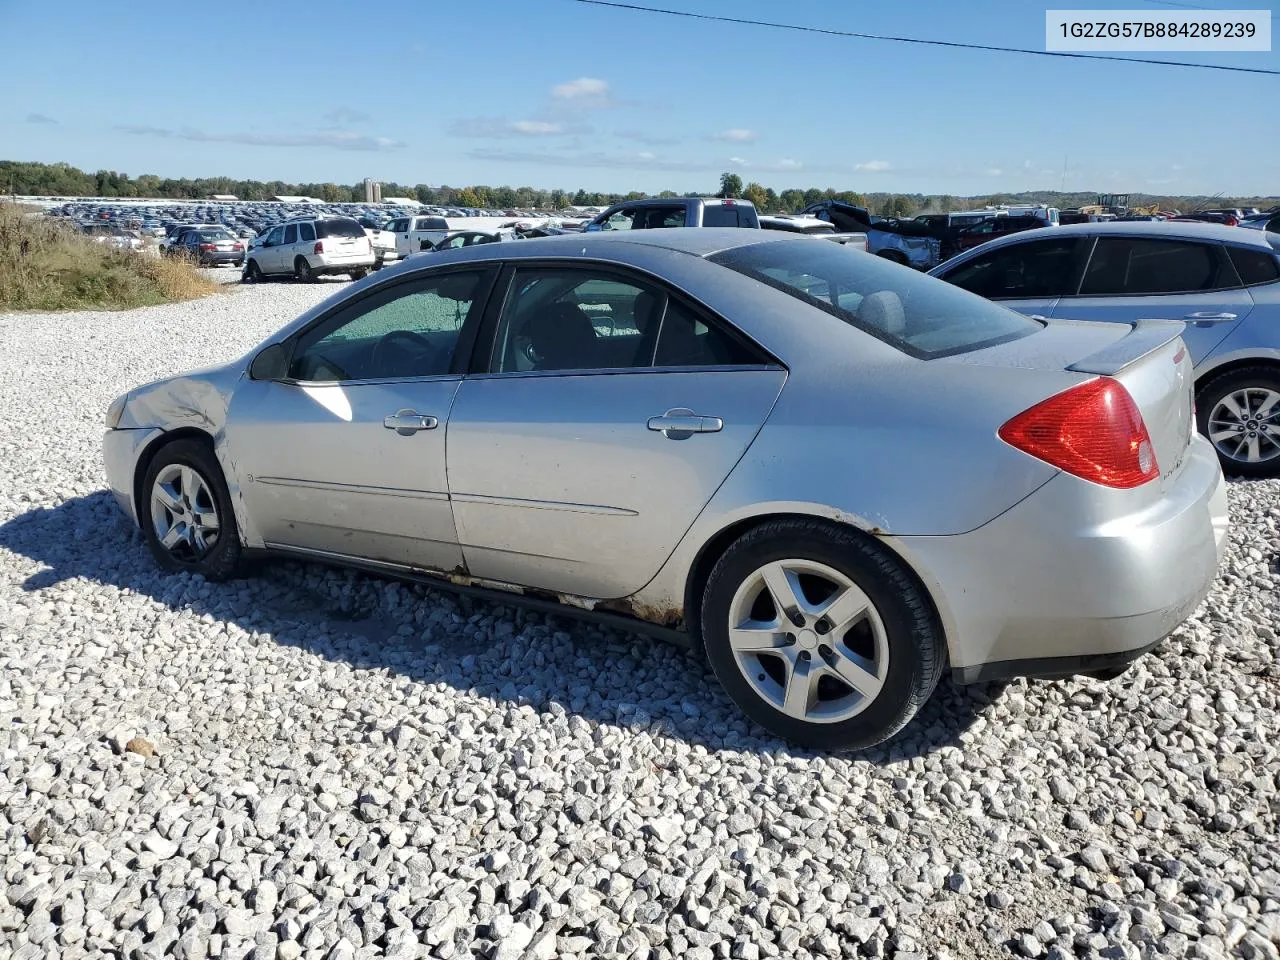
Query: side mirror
x=271 y=364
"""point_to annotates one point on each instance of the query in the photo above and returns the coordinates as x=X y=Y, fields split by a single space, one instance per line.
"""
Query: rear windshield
x=917 y=314
x=338 y=228
x=216 y=234
x=722 y=215
x=432 y=223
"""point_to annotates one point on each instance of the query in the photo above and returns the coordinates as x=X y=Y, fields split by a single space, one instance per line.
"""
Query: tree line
x=64 y=180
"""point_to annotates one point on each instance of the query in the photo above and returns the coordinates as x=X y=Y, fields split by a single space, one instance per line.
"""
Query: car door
x=288 y=249
x=269 y=252
x=604 y=415
x=1131 y=278
x=345 y=455
x=1028 y=277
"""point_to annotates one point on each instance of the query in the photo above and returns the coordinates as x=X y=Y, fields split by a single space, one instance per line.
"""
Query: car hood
x=197 y=399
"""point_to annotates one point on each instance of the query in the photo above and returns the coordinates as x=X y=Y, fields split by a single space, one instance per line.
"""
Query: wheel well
x=714 y=549
x=1233 y=366
x=149 y=454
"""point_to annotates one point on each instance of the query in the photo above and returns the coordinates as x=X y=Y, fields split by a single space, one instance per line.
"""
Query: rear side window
x=338 y=228
x=919 y=315
x=1254 y=266
x=291 y=233
x=1138 y=266
x=1040 y=268
x=656 y=218
x=306 y=232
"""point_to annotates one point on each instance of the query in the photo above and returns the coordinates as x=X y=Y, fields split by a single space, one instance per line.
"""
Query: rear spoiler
x=1146 y=337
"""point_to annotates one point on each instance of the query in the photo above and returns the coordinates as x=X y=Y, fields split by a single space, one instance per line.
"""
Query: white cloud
x=786 y=163
x=349 y=115
x=537 y=128
x=740 y=161
x=584 y=88
x=873 y=166
x=736 y=135
x=497 y=127
x=335 y=139
x=993 y=172
x=645 y=155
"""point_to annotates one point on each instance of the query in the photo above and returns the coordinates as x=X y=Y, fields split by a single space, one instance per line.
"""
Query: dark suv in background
x=676 y=212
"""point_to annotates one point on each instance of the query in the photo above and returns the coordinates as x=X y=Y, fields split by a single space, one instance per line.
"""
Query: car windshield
x=917 y=314
x=338 y=228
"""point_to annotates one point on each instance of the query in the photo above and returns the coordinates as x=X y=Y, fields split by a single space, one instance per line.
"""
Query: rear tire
x=883 y=634
x=302 y=270
x=186 y=513
x=1241 y=409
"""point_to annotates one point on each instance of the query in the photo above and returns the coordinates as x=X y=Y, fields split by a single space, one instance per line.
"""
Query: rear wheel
x=1240 y=414
x=302 y=270
x=820 y=635
x=186 y=512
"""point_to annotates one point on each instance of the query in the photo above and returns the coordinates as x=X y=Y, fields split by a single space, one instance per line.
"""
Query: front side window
x=581 y=320
x=1138 y=266
x=274 y=236
x=409 y=331
x=622 y=220
x=917 y=314
x=1040 y=268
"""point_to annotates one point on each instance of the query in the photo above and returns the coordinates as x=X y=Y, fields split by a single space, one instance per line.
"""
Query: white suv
x=308 y=247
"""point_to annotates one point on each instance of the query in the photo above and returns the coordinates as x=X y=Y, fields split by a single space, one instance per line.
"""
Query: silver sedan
x=837 y=476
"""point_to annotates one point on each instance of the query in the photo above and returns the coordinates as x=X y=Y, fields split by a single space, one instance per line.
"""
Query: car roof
x=697 y=241
x=1183 y=230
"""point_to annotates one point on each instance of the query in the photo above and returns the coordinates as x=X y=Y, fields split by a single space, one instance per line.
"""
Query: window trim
x=385 y=293
x=1217 y=246
x=486 y=342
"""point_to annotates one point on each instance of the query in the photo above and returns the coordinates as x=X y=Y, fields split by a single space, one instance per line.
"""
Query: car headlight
x=116 y=411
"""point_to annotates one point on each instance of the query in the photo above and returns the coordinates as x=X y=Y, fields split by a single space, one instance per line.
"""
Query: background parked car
x=209 y=246
x=310 y=247
x=658 y=213
x=1222 y=282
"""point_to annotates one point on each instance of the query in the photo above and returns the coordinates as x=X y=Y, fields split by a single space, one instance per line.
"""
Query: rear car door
x=1132 y=278
x=288 y=249
x=604 y=413
x=345 y=455
x=1028 y=277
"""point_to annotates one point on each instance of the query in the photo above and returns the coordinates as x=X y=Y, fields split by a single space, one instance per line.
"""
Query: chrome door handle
x=1209 y=317
x=681 y=423
x=407 y=422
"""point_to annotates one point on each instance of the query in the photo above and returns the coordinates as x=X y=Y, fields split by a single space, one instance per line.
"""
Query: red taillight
x=1094 y=431
x=237 y=246
x=207 y=246
x=319 y=247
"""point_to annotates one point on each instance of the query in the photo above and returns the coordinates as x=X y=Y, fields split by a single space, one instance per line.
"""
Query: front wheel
x=820 y=635
x=359 y=274
x=252 y=273
x=302 y=270
x=186 y=512
x=1240 y=414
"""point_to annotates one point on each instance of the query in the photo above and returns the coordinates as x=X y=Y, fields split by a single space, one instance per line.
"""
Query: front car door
x=1131 y=278
x=602 y=417
x=345 y=456
x=1028 y=277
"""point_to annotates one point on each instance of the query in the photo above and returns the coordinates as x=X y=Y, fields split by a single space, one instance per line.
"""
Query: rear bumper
x=340 y=264
x=221 y=256
x=1077 y=578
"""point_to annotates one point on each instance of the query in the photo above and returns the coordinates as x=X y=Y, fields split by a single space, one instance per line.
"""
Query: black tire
x=1211 y=393
x=252 y=272
x=360 y=274
x=302 y=270
x=223 y=557
x=917 y=650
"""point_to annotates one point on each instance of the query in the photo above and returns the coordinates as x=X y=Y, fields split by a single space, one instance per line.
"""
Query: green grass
x=45 y=265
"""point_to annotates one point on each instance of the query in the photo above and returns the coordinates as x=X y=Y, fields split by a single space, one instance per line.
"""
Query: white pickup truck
x=413 y=235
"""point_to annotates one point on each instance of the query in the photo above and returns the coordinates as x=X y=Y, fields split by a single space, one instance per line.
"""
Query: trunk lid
x=1147 y=357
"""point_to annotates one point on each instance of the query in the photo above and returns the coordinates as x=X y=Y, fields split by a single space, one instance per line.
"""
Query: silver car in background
x=835 y=474
x=1223 y=282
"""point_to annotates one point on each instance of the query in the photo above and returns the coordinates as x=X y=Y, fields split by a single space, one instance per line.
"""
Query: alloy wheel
x=808 y=640
x=184 y=513
x=1244 y=425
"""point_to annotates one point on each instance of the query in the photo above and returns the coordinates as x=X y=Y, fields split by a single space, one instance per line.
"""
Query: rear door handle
x=1209 y=317
x=680 y=423
x=407 y=422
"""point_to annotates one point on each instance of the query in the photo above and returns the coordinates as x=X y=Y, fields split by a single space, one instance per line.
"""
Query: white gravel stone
x=350 y=767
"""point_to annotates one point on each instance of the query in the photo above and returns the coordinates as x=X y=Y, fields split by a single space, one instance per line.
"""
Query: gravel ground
x=322 y=764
